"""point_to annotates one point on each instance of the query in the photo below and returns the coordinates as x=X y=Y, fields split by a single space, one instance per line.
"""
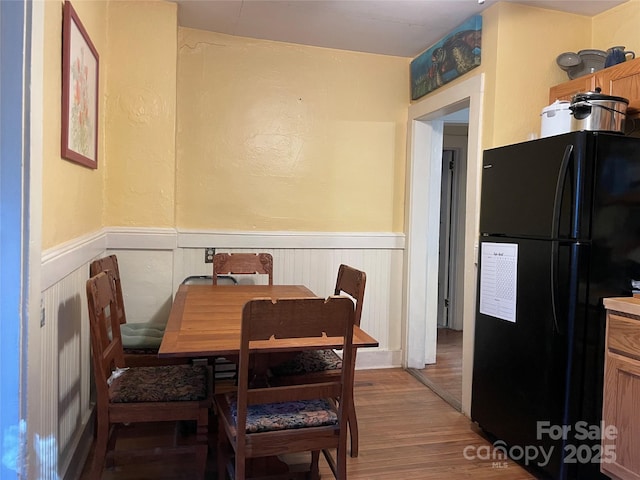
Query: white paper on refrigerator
x=498 y=280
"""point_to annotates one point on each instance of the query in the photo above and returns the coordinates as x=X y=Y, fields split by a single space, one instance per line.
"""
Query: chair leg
x=202 y=442
x=222 y=452
x=112 y=436
x=341 y=461
x=314 y=469
x=353 y=431
x=241 y=466
x=100 y=451
x=201 y=460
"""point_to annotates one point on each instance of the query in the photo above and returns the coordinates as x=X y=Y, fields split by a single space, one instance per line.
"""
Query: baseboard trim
x=371 y=359
x=81 y=450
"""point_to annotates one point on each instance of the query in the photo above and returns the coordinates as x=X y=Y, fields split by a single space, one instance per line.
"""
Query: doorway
x=452 y=218
x=444 y=376
x=426 y=134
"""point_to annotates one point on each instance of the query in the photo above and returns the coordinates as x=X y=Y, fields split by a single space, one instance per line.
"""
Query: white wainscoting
x=65 y=369
x=156 y=261
x=312 y=259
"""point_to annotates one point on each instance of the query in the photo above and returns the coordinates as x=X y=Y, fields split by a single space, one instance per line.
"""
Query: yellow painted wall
x=141 y=112
x=618 y=26
x=276 y=136
x=528 y=42
x=134 y=182
x=273 y=136
x=72 y=195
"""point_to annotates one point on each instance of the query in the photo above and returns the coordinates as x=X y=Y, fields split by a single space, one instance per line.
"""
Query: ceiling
x=390 y=27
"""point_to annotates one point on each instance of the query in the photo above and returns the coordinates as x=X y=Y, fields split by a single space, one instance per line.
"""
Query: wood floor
x=445 y=376
x=406 y=432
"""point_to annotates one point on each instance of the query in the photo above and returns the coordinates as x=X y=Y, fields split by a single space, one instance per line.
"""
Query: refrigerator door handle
x=554 y=285
x=557 y=201
x=555 y=228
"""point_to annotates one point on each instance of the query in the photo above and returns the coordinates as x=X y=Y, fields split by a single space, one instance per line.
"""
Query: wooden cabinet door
x=621 y=400
x=619 y=454
x=622 y=80
x=566 y=90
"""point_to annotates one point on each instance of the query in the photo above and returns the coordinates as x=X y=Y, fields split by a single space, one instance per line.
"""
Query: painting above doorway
x=454 y=55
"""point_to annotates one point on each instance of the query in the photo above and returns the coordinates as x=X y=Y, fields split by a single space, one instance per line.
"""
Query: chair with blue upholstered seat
x=319 y=364
x=270 y=421
x=140 y=394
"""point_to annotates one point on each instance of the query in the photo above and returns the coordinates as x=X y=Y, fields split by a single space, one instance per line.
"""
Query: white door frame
x=422 y=221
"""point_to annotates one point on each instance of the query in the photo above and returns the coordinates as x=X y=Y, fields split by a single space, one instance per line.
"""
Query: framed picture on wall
x=80 y=64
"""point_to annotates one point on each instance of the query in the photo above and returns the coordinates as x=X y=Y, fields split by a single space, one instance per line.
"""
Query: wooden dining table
x=205 y=320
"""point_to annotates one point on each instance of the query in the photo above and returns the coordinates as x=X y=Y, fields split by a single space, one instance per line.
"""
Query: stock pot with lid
x=595 y=111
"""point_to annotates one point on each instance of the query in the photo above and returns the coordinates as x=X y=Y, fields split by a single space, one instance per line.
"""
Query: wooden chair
x=111 y=263
x=319 y=364
x=140 y=341
x=139 y=394
x=242 y=264
x=263 y=422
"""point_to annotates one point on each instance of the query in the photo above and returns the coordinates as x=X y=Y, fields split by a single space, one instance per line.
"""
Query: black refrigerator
x=559 y=231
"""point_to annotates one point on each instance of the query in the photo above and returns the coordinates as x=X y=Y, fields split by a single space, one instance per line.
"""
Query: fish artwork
x=453 y=56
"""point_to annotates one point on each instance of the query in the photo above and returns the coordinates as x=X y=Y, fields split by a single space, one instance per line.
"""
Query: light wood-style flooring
x=445 y=376
x=406 y=432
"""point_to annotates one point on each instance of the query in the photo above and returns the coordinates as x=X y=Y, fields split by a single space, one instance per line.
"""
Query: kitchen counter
x=628 y=305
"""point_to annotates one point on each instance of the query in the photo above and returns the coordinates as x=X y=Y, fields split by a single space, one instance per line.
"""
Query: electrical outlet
x=208 y=255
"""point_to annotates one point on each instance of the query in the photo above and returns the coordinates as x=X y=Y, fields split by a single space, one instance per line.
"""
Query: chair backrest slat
x=242 y=264
x=295 y=318
x=111 y=263
x=352 y=282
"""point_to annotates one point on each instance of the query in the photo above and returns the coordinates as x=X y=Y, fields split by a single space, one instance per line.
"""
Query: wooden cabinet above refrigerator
x=621 y=80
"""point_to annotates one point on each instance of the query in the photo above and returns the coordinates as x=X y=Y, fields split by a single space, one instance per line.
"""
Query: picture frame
x=80 y=75
x=453 y=56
